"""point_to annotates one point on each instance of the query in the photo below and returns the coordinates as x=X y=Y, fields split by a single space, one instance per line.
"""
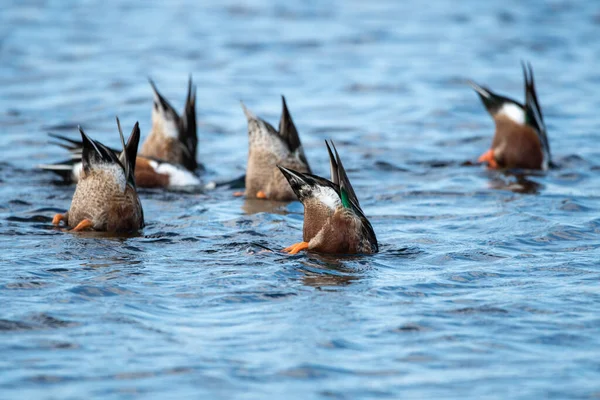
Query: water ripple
x=486 y=283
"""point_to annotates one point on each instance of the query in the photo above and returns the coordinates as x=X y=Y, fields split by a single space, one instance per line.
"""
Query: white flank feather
x=178 y=176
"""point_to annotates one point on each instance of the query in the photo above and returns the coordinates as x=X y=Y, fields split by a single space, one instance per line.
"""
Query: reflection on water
x=255 y=206
x=515 y=182
x=480 y=276
x=321 y=270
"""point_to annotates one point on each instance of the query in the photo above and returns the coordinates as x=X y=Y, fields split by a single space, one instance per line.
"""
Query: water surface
x=486 y=285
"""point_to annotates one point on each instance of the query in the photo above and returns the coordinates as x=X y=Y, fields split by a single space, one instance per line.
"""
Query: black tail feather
x=123 y=157
x=188 y=130
x=132 y=146
x=303 y=184
x=73 y=146
x=333 y=166
x=287 y=129
x=162 y=102
x=63 y=169
x=530 y=92
x=186 y=123
x=289 y=133
x=533 y=108
x=67 y=143
x=95 y=153
x=344 y=182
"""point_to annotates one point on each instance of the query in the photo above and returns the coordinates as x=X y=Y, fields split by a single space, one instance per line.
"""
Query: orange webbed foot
x=83 y=225
x=238 y=194
x=57 y=218
x=488 y=157
x=295 y=248
x=261 y=195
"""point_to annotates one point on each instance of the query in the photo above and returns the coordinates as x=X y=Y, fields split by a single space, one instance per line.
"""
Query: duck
x=164 y=163
x=173 y=138
x=105 y=197
x=333 y=219
x=520 y=140
x=267 y=148
x=149 y=172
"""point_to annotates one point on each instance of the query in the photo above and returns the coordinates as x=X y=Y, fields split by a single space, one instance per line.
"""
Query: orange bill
x=261 y=195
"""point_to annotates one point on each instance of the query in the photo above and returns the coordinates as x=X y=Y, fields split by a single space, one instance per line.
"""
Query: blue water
x=486 y=285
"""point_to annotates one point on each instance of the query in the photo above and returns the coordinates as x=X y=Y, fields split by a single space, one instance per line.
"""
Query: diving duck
x=168 y=156
x=105 y=198
x=520 y=139
x=173 y=138
x=333 y=219
x=268 y=148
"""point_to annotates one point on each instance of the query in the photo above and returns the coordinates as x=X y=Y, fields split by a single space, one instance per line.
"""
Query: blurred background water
x=486 y=285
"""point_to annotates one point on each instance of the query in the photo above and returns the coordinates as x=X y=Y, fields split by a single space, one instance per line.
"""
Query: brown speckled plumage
x=269 y=148
x=106 y=194
x=263 y=175
x=99 y=197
